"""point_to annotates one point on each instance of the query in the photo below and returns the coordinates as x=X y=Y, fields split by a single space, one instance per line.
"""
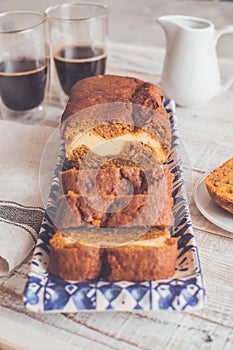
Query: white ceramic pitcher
x=191 y=73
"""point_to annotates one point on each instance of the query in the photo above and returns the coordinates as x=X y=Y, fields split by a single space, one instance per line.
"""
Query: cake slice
x=105 y=113
x=151 y=257
x=74 y=211
x=219 y=184
x=114 y=153
x=105 y=181
x=114 y=197
x=73 y=261
x=151 y=204
x=115 y=181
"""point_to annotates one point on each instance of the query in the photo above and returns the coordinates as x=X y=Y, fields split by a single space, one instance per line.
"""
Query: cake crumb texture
x=151 y=257
x=219 y=184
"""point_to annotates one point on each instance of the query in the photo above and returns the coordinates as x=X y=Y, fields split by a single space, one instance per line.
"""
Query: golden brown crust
x=141 y=263
x=112 y=88
x=73 y=261
x=219 y=184
x=111 y=106
x=97 y=90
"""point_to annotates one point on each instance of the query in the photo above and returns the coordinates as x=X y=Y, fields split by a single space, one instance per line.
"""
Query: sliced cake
x=151 y=257
x=105 y=113
x=219 y=184
x=73 y=261
x=151 y=205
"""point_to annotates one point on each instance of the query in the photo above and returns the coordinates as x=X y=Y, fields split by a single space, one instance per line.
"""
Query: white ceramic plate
x=209 y=209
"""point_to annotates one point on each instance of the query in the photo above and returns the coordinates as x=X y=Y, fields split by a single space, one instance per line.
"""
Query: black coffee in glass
x=22 y=83
x=74 y=63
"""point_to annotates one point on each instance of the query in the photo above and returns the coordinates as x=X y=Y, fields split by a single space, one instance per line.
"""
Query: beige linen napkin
x=21 y=207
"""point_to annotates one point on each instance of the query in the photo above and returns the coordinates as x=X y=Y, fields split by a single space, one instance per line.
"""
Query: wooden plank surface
x=207 y=135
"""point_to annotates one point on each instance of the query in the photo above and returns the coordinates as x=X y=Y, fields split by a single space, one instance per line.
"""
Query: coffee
x=22 y=83
x=74 y=63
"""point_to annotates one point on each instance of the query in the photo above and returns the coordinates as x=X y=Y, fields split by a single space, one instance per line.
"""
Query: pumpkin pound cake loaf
x=219 y=184
x=115 y=207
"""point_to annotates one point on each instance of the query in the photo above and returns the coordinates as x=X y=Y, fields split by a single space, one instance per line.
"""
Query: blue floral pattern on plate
x=184 y=291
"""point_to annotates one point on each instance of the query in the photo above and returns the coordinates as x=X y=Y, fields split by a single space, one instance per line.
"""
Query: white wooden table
x=207 y=135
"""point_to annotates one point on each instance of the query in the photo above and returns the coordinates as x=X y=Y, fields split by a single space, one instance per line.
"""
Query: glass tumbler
x=78 y=36
x=23 y=64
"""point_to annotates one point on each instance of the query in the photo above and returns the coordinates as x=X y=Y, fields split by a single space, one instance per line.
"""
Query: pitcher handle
x=219 y=33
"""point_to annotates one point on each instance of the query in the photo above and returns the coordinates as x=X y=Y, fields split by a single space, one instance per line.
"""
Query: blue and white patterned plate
x=184 y=291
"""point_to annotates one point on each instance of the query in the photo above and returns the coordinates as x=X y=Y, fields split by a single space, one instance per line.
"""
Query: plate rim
x=204 y=212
